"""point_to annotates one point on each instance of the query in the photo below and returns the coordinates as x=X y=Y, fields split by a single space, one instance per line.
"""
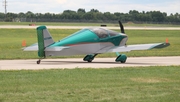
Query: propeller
x=121 y=27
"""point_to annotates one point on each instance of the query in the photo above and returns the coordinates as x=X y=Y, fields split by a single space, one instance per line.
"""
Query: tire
x=123 y=61
x=38 y=62
x=90 y=60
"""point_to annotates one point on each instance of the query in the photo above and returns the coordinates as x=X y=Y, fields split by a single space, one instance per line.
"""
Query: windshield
x=103 y=33
x=112 y=33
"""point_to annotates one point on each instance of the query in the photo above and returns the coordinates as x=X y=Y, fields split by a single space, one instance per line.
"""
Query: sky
x=123 y=6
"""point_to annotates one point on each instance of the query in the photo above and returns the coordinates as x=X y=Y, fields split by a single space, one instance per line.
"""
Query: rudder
x=44 y=39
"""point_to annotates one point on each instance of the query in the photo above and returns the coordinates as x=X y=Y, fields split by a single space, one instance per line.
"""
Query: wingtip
x=162 y=45
x=167 y=44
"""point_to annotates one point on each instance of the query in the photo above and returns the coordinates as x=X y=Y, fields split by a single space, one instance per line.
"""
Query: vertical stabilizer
x=44 y=39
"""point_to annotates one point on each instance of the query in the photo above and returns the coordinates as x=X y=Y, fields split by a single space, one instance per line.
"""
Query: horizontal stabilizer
x=33 y=47
x=139 y=47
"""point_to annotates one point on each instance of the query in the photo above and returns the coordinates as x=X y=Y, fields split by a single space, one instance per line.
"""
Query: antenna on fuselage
x=121 y=27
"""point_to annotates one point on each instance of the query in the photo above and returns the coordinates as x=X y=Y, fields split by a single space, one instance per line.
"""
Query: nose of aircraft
x=124 y=40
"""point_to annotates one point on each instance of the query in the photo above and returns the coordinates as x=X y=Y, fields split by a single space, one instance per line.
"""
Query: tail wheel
x=39 y=61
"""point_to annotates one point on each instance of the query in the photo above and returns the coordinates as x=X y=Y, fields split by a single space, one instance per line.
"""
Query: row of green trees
x=93 y=15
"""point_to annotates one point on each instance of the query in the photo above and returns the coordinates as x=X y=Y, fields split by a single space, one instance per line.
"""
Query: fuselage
x=89 y=41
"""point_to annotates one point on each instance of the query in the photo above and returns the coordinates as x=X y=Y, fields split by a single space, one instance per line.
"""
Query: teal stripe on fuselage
x=83 y=36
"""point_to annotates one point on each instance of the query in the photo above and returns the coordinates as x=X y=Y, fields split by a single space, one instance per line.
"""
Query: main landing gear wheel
x=89 y=58
x=121 y=58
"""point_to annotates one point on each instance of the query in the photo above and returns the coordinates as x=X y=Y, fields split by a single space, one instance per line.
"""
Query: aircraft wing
x=138 y=47
x=34 y=47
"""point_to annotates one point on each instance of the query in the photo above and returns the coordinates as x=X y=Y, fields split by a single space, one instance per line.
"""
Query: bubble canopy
x=102 y=32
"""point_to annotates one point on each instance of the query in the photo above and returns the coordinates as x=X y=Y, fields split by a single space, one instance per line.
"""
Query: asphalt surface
x=72 y=63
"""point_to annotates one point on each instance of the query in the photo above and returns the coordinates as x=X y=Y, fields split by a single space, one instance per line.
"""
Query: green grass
x=142 y=84
x=11 y=42
x=87 y=24
x=54 y=23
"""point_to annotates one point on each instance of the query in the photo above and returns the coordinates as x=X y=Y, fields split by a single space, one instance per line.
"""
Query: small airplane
x=89 y=42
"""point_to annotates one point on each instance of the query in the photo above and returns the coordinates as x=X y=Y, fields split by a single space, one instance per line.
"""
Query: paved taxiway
x=71 y=63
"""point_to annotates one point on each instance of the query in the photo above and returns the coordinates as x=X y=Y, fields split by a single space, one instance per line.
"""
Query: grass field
x=87 y=24
x=142 y=84
x=11 y=42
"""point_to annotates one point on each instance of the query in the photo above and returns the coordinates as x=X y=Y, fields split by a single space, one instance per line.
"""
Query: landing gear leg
x=89 y=58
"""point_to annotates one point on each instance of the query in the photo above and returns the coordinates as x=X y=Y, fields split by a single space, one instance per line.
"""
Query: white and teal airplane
x=89 y=42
